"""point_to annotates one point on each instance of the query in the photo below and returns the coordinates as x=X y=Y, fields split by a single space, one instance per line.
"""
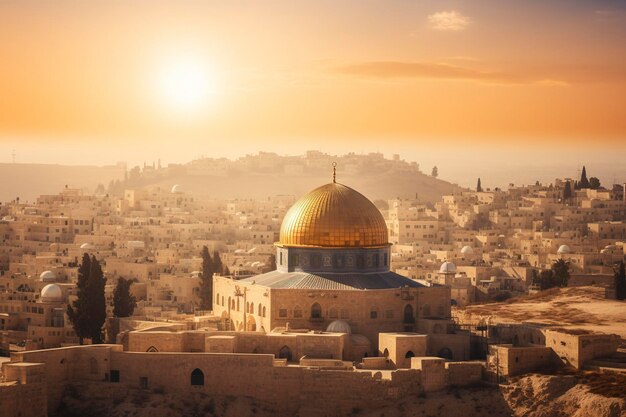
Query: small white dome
x=48 y=276
x=564 y=249
x=447 y=268
x=51 y=293
x=467 y=250
x=339 y=326
x=86 y=246
x=177 y=189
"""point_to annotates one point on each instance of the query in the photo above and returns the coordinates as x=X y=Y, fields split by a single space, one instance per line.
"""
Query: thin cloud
x=448 y=21
x=432 y=70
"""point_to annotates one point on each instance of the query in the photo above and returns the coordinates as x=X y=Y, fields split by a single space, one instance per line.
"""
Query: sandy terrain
x=579 y=307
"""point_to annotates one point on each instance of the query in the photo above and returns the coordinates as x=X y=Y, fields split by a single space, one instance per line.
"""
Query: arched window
x=247 y=307
x=251 y=310
x=237 y=303
x=222 y=300
x=197 y=377
x=263 y=311
x=409 y=354
x=426 y=310
x=408 y=314
x=152 y=349
x=316 y=311
x=285 y=353
x=297 y=312
x=445 y=353
x=232 y=304
x=217 y=298
x=260 y=310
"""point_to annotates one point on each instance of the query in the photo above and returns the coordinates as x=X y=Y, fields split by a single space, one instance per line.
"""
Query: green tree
x=88 y=313
x=594 y=183
x=218 y=267
x=620 y=282
x=479 y=187
x=206 y=280
x=124 y=302
x=560 y=270
x=584 y=182
x=435 y=172
x=546 y=279
x=77 y=311
x=567 y=191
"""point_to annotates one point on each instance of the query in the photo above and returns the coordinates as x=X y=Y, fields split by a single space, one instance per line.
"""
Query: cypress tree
x=218 y=267
x=206 y=280
x=479 y=188
x=567 y=191
x=584 y=182
x=124 y=302
x=96 y=301
x=77 y=311
x=435 y=172
x=620 y=282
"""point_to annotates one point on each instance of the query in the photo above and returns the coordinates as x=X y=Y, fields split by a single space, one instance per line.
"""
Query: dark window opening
x=197 y=377
x=115 y=375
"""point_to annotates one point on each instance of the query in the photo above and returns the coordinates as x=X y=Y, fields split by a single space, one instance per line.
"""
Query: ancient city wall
x=287 y=389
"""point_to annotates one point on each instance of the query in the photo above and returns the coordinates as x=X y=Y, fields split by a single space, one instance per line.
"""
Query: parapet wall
x=287 y=389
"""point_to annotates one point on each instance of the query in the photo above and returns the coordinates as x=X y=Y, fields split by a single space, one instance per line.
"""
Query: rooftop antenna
x=334 y=172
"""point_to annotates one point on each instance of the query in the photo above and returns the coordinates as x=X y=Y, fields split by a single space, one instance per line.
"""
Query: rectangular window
x=143 y=382
x=282 y=312
x=373 y=314
x=115 y=375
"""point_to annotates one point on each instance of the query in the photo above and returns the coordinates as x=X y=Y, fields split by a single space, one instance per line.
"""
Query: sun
x=186 y=84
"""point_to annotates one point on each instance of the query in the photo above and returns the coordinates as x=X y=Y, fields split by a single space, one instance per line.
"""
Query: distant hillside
x=374 y=185
x=253 y=176
x=28 y=181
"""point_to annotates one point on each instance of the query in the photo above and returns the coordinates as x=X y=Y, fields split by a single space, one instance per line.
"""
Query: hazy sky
x=120 y=80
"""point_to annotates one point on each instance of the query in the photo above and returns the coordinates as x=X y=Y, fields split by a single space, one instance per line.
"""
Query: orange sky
x=283 y=72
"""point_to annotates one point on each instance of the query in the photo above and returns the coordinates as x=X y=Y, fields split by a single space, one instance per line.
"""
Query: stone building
x=332 y=263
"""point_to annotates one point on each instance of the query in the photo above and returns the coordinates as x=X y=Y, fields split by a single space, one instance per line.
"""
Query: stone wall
x=24 y=392
x=286 y=389
x=507 y=360
x=576 y=349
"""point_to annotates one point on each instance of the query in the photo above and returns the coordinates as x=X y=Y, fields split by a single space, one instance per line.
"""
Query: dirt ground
x=577 y=308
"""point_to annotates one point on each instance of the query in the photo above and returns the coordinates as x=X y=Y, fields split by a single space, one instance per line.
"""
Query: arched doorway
x=445 y=353
x=285 y=353
x=251 y=324
x=409 y=317
x=316 y=311
x=409 y=354
x=197 y=377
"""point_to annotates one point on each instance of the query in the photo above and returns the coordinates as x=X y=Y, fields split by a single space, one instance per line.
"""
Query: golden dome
x=333 y=215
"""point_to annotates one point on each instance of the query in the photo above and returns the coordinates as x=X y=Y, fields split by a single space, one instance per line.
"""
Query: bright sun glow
x=186 y=85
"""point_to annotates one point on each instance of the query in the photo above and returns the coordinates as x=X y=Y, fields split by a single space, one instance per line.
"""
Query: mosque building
x=333 y=274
